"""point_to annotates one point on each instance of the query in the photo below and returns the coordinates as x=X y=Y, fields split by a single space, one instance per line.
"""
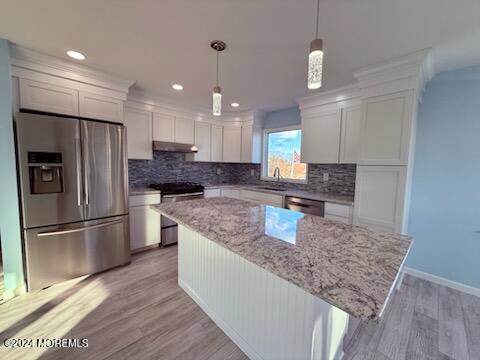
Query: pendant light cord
x=318 y=14
x=217 y=67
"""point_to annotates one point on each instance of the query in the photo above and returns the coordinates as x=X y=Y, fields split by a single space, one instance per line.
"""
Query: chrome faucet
x=276 y=174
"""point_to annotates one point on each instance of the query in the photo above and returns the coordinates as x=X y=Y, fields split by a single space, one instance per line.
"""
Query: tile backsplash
x=169 y=166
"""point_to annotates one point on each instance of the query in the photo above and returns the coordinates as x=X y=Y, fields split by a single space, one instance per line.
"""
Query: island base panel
x=266 y=316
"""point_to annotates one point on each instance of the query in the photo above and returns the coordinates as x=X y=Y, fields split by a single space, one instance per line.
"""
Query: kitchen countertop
x=350 y=267
x=328 y=197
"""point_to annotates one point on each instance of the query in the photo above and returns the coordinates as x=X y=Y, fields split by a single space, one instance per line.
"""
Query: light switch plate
x=219 y=171
x=252 y=172
x=325 y=176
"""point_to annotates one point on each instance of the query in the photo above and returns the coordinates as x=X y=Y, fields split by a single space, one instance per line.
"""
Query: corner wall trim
x=444 y=282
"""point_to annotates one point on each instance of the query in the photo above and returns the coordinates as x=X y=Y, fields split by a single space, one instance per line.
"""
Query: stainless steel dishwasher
x=307 y=206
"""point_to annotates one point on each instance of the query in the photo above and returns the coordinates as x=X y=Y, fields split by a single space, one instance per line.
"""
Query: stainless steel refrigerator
x=73 y=182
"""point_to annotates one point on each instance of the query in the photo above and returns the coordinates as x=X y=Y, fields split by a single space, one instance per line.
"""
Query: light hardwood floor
x=133 y=312
x=422 y=321
x=139 y=312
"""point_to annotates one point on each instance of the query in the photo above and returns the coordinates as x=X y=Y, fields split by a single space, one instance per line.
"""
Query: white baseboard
x=444 y=282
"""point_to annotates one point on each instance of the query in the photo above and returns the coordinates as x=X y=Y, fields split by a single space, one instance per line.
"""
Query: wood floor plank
x=423 y=341
x=471 y=312
x=394 y=340
x=427 y=298
x=452 y=336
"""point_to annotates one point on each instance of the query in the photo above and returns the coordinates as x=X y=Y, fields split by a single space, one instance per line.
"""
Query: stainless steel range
x=175 y=192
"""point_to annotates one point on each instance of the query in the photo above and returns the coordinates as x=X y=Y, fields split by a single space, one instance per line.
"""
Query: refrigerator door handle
x=78 y=154
x=84 y=228
x=86 y=161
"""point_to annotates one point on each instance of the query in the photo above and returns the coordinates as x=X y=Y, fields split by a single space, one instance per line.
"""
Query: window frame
x=264 y=164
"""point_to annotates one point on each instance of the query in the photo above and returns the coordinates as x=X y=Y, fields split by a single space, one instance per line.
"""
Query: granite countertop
x=350 y=267
x=329 y=197
x=141 y=190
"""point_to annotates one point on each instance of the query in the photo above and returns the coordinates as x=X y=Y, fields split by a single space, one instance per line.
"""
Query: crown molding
x=24 y=58
x=342 y=94
x=411 y=71
x=152 y=102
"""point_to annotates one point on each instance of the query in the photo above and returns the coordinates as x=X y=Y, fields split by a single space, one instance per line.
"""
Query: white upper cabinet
x=99 y=107
x=203 y=140
x=246 y=146
x=350 y=137
x=251 y=149
x=379 y=197
x=217 y=143
x=184 y=130
x=232 y=143
x=172 y=128
x=139 y=133
x=40 y=96
x=321 y=137
x=57 y=99
x=163 y=127
x=385 y=129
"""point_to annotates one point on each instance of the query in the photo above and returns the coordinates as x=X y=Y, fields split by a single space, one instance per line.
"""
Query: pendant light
x=315 y=59
x=218 y=46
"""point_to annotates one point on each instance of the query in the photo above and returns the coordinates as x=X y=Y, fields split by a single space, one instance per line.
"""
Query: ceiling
x=158 y=43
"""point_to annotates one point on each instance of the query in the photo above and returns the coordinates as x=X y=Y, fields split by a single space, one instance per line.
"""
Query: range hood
x=174 y=147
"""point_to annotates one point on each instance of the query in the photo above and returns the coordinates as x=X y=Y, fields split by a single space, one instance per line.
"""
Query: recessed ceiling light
x=177 y=87
x=235 y=104
x=75 y=55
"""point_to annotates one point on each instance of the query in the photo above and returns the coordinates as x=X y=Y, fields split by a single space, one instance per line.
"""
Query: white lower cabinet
x=231 y=193
x=208 y=193
x=379 y=197
x=262 y=198
x=339 y=212
x=145 y=222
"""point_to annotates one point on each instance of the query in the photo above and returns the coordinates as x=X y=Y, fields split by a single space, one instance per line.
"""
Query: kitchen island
x=283 y=284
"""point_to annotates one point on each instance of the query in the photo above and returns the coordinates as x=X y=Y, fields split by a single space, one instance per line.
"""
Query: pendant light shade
x=218 y=46
x=315 y=59
x=315 y=64
x=217 y=101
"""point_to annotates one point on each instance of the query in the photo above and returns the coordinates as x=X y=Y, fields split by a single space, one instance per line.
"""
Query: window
x=281 y=148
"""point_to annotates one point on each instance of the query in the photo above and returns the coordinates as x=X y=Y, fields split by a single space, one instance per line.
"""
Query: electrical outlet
x=252 y=172
x=219 y=171
x=325 y=176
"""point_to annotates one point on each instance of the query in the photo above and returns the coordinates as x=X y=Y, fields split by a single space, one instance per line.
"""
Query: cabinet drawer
x=263 y=198
x=338 y=218
x=208 y=193
x=148 y=199
x=232 y=193
x=338 y=210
